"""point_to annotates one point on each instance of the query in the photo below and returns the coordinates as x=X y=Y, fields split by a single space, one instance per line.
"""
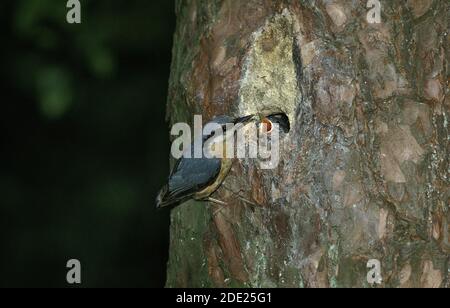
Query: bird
x=277 y=118
x=199 y=178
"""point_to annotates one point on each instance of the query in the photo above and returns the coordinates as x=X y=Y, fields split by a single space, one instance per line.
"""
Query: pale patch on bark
x=419 y=7
x=311 y=271
x=390 y=168
x=332 y=98
x=386 y=80
x=382 y=225
x=410 y=113
x=396 y=147
x=433 y=90
x=431 y=278
x=219 y=56
x=338 y=178
x=309 y=52
x=353 y=194
x=381 y=127
x=336 y=12
x=269 y=82
x=405 y=275
x=276 y=193
x=436 y=231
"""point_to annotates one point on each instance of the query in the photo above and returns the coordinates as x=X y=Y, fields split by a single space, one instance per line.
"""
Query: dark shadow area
x=84 y=142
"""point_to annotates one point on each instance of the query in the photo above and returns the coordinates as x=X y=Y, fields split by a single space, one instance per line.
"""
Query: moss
x=333 y=261
x=188 y=264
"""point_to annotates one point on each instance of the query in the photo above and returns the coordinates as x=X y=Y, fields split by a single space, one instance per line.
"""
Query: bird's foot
x=248 y=201
x=216 y=201
x=238 y=194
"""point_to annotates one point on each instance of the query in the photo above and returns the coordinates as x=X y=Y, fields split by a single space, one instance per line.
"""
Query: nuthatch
x=198 y=178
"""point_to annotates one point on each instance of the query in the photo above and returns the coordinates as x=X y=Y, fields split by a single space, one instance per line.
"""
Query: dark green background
x=84 y=142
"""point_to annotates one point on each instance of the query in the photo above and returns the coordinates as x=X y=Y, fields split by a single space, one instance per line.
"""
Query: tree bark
x=364 y=170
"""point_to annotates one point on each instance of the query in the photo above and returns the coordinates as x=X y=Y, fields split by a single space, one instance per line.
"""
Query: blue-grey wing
x=191 y=175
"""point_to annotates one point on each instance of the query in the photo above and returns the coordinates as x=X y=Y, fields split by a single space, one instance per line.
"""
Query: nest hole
x=277 y=118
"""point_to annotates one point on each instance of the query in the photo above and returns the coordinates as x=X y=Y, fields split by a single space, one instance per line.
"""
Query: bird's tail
x=162 y=196
x=165 y=199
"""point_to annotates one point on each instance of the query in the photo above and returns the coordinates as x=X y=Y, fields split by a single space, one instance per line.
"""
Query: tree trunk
x=364 y=170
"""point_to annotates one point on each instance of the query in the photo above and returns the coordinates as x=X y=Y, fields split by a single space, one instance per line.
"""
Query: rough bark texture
x=364 y=171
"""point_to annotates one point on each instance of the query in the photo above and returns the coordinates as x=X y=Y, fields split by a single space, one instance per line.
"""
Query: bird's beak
x=244 y=120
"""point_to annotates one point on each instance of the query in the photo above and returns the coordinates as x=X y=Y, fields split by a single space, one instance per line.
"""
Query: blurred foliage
x=84 y=141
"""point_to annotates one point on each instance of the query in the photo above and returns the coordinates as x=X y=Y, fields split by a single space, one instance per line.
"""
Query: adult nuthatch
x=198 y=178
